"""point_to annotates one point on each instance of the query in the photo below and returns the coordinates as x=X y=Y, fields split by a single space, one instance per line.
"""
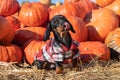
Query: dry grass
x=97 y=70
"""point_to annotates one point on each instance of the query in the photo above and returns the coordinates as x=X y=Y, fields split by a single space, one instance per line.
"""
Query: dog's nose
x=66 y=26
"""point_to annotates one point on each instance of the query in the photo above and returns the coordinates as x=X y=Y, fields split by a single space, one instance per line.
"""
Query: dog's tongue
x=67 y=26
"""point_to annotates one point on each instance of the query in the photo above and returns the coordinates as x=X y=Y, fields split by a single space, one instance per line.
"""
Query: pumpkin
x=103 y=3
x=33 y=14
x=90 y=50
x=68 y=9
x=24 y=34
x=58 y=3
x=100 y=22
x=10 y=53
x=80 y=28
x=31 y=48
x=113 y=40
x=8 y=7
x=52 y=6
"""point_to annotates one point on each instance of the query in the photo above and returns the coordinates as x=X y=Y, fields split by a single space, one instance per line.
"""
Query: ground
x=96 y=70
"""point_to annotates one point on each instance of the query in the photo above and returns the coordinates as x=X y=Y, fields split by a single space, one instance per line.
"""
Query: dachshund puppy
x=62 y=48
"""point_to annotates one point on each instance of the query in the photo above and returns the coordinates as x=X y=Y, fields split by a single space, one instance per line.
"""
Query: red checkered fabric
x=52 y=52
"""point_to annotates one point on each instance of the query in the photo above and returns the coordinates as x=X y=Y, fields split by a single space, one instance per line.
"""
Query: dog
x=62 y=48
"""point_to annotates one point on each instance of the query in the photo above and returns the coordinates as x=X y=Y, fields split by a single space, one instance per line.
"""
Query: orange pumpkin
x=90 y=50
x=10 y=53
x=68 y=9
x=33 y=14
x=79 y=27
x=8 y=7
x=113 y=40
x=31 y=48
x=24 y=34
x=103 y=3
x=100 y=22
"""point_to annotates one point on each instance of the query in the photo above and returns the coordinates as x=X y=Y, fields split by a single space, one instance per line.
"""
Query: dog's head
x=60 y=27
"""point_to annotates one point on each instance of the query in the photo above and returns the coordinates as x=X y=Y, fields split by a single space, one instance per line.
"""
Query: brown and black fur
x=56 y=25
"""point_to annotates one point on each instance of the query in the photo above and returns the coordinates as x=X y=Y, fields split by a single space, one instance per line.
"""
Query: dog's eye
x=56 y=21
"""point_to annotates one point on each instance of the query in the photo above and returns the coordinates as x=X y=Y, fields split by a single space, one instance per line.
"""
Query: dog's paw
x=59 y=70
x=75 y=69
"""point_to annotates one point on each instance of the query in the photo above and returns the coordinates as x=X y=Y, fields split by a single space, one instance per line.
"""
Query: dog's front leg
x=58 y=67
x=75 y=64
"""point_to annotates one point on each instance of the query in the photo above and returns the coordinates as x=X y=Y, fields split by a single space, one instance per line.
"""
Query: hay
x=97 y=70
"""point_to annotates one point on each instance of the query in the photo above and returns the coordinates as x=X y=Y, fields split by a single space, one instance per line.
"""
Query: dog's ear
x=47 y=33
x=71 y=27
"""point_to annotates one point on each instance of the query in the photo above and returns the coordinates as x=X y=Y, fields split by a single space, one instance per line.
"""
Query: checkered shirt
x=52 y=52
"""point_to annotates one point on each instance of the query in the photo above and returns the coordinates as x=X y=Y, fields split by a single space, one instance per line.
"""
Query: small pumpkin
x=58 y=3
x=68 y=9
x=24 y=34
x=46 y=2
x=33 y=14
x=113 y=40
x=10 y=53
x=100 y=22
x=31 y=48
x=8 y=7
x=90 y=50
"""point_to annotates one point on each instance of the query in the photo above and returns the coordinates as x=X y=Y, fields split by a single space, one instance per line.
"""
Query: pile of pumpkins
x=22 y=27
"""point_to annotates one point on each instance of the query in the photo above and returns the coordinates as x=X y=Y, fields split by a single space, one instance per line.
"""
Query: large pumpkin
x=100 y=22
x=68 y=9
x=33 y=14
x=31 y=48
x=10 y=53
x=8 y=7
x=91 y=50
x=81 y=32
x=24 y=34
